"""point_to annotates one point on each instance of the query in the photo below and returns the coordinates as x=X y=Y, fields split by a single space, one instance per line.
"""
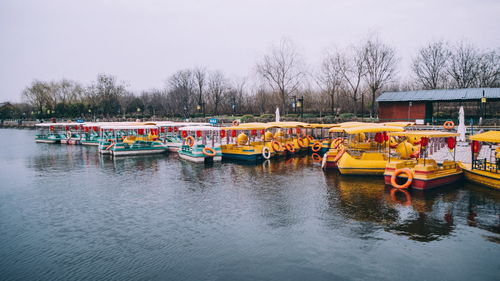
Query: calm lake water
x=67 y=213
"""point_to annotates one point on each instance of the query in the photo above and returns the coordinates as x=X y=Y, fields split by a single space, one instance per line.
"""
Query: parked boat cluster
x=395 y=150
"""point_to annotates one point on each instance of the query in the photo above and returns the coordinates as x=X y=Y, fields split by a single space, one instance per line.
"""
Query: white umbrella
x=461 y=124
x=277 y=114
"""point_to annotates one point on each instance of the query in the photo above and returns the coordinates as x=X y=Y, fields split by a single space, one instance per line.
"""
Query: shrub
x=266 y=118
x=346 y=115
x=246 y=118
x=309 y=115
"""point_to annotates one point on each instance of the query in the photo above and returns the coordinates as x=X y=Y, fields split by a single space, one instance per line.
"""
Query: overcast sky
x=142 y=42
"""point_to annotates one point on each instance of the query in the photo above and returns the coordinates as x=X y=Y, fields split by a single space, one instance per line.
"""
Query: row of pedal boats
x=395 y=150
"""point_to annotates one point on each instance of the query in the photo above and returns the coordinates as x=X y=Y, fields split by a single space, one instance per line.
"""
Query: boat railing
x=485 y=165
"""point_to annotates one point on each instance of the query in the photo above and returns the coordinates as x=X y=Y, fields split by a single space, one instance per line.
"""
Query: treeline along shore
x=343 y=86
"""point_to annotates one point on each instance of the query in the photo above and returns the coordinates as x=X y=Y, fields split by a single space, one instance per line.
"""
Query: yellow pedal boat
x=420 y=172
x=484 y=171
x=365 y=157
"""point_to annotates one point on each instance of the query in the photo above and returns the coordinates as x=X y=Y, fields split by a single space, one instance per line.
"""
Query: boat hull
x=429 y=183
x=91 y=143
x=243 y=157
x=485 y=178
x=46 y=141
x=199 y=159
x=370 y=164
x=73 y=141
x=129 y=152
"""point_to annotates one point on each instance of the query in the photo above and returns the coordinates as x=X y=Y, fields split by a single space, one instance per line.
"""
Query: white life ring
x=69 y=134
x=266 y=152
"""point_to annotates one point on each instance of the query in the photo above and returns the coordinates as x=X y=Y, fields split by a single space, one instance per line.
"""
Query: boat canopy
x=429 y=134
x=101 y=124
x=353 y=124
x=289 y=124
x=59 y=124
x=336 y=130
x=398 y=124
x=47 y=124
x=182 y=124
x=376 y=128
x=323 y=125
x=490 y=136
x=128 y=127
x=241 y=128
x=199 y=128
x=156 y=122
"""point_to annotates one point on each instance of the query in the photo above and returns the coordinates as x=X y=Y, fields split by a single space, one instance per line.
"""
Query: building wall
x=399 y=111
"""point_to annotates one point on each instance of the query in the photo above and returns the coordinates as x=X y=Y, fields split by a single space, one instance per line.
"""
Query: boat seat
x=430 y=165
x=373 y=156
x=447 y=164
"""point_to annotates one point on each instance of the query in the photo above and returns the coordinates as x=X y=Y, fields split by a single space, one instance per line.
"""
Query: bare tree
x=200 y=81
x=282 y=70
x=235 y=95
x=217 y=87
x=68 y=91
x=107 y=92
x=330 y=78
x=38 y=95
x=464 y=65
x=489 y=70
x=352 y=68
x=181 y=92
x=380 y=61
x=430 y=64
x=261 y=101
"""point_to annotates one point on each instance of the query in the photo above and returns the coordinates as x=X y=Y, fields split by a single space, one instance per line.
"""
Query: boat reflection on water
x=422 y=216
x=274 y=186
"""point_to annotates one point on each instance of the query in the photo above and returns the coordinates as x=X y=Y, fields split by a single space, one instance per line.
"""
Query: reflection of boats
x=201 y=144
x=47 y=133
x=426 y=218
x=366 y=157
x=484 y=171
x=131 y=140
x=419 y=172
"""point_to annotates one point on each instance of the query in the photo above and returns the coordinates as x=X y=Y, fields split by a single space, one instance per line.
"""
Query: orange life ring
x=236 y=123
x=310 y=137
x=339 y=155
x=111 y=145
x=316 y=146
x=408 y=181
x=190 y=141
x=301 y=142
x=316 y=157
x=336 y=142
x=289 y=146
x=406 y=193
x=448 y=125
x=208 y=151
x=276 y=146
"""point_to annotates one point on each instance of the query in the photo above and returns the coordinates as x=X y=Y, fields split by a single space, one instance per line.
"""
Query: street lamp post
x=300 y=105
x=483 y=105
x=294 y=103
x=409 y=110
